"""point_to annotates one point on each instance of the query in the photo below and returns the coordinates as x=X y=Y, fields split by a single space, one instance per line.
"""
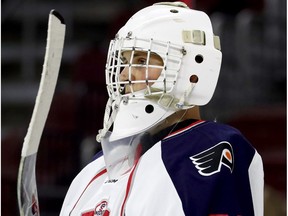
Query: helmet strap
x=187 y=92
x=111 y=110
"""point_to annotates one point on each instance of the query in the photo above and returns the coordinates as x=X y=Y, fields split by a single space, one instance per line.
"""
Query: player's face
x=139 y=72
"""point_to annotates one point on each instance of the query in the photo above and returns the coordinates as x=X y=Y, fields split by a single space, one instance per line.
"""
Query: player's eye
x=142 y=61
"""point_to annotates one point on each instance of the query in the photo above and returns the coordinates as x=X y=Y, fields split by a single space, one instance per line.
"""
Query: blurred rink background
x=251 y=92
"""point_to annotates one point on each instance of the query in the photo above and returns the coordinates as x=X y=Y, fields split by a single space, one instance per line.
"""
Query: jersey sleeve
x=215 y=171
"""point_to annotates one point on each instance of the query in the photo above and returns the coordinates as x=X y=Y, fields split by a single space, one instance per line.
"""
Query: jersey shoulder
x=207 y=155
x=96 y=165
x=202 y=135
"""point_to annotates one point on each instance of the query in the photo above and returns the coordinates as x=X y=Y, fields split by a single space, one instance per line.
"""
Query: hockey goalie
x=158 y=156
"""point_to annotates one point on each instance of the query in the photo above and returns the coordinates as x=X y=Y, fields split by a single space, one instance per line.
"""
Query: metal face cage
x=171 y=55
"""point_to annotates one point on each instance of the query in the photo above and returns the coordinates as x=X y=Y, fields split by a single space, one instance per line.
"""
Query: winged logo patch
x=211 y=160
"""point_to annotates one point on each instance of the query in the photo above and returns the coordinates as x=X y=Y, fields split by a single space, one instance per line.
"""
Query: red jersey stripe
x=93 y=179
x=128 y=187
x=185 y=128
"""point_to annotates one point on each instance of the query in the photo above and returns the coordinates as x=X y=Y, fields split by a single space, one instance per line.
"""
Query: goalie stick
x=26 y=185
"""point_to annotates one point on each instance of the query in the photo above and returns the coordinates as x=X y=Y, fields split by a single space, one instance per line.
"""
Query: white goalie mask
x=191 y=60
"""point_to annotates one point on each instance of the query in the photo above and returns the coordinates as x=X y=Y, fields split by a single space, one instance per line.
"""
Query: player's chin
x=138 y=87
x=134 y=88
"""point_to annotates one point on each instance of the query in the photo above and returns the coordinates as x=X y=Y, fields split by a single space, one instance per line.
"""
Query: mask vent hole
x=174 y=11
x=199 y=58
x=194 y=78
x=149 y=109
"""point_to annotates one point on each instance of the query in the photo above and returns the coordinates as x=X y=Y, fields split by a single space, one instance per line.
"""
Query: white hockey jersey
x=202 y=168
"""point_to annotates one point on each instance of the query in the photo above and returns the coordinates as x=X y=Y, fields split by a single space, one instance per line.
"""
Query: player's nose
x=124 y=75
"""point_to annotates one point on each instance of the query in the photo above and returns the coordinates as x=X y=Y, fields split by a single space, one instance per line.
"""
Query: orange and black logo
x=211 y=160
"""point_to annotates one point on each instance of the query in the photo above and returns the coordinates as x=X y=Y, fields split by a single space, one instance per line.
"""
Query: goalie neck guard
x=191 y=56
